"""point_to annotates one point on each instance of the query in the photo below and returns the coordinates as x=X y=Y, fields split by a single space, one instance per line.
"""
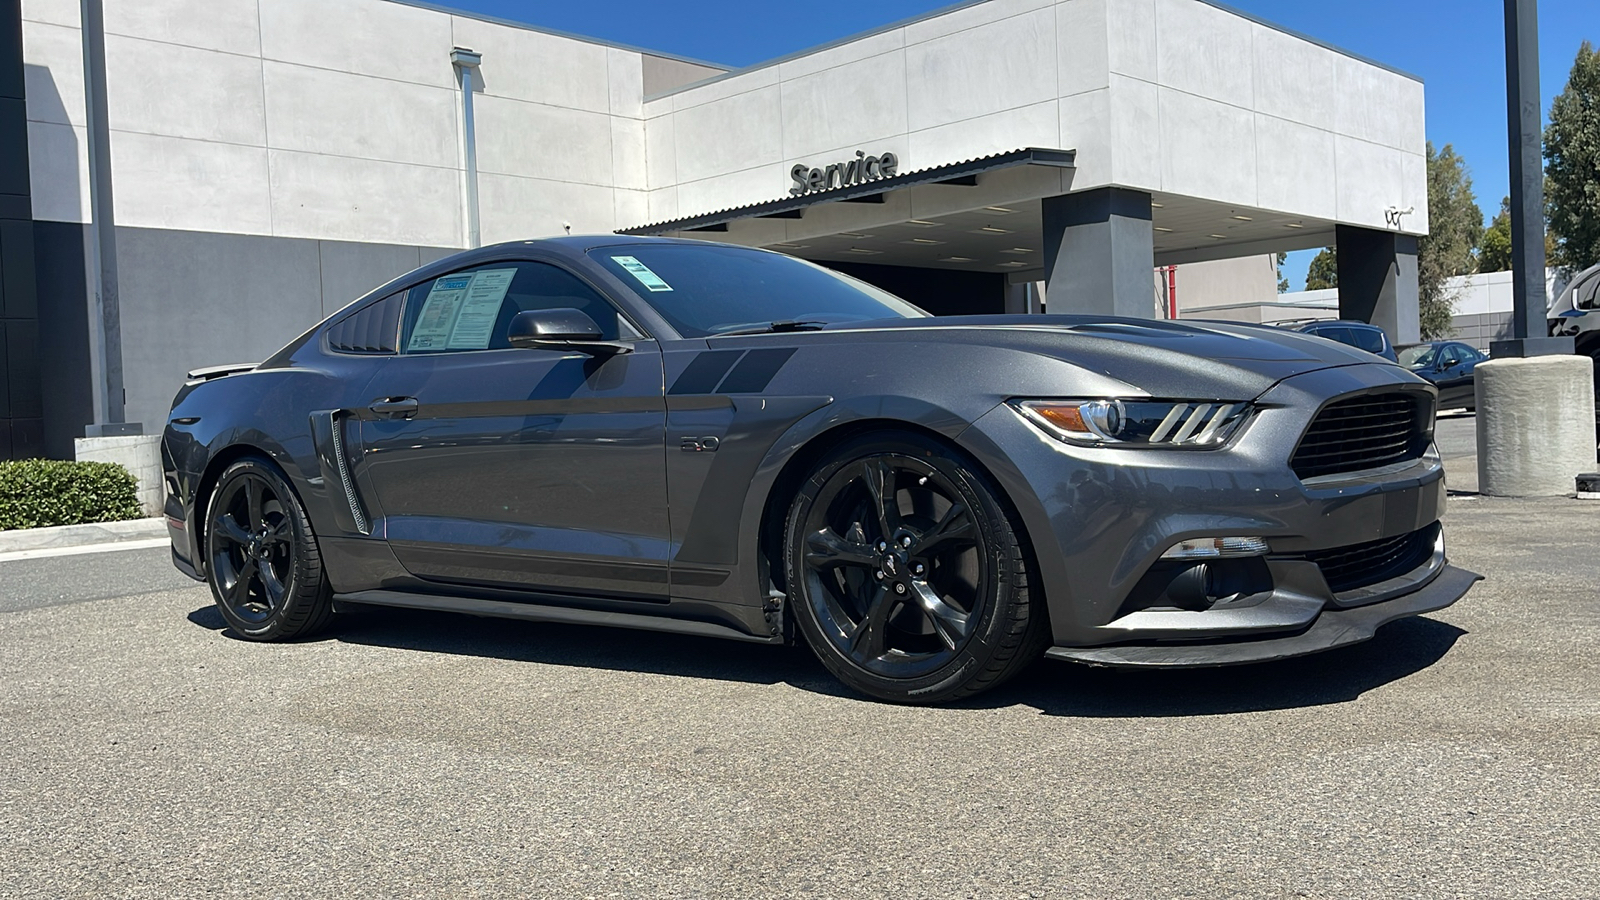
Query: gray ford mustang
x=715 y=440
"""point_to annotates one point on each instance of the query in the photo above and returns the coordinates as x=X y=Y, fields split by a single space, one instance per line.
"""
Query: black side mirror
x=559 y=329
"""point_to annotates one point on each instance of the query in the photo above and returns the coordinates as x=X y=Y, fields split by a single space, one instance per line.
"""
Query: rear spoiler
x=212 y=372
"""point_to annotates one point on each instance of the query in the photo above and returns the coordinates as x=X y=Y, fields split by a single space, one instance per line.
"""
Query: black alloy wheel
x=905 y=574
x=261 y=557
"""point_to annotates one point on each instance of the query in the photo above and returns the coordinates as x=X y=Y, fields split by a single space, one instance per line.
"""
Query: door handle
x=395 y=407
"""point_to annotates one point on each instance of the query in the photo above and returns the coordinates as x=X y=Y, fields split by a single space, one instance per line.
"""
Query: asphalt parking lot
x=146 y=752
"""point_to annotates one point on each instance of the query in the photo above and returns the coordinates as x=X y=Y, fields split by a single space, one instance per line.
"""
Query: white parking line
x=149 y=544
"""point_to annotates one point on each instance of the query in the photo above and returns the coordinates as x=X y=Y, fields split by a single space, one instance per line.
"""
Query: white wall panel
x=58 y=172
x=531 y=140
x=1038 y=125
x=1086 y=126
x=728 y=135
x=1375 y=105
x=950 y=84
x=322 y=111
x=1371 y=179
x=625 y=77
x=632 y=208
x=514 y=209
x=1136 y=140
x=339 y=198
x=628 y=154
x=1294 y=78
x=231 y=26
x=1295 y=168
x=725 y=88
x=167 y=182
x=1131 y=38
x=971 y=17
x=843 y=54
x=732 y=189
x=532 y=65
x=1081 y=46
x=386 y=40
x=855 y=103
x=178 y=91
x=52 y=72
x=660 y=150
x=1209 y=148
x=56 y=12
x=1205 y=51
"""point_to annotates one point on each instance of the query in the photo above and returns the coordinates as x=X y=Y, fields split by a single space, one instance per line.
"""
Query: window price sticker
x=642 y=272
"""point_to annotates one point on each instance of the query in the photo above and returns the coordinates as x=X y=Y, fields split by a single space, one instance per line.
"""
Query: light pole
x=1535 y=399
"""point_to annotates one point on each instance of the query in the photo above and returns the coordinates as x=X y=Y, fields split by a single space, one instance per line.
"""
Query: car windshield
x=1418 y=357
x=706 y=289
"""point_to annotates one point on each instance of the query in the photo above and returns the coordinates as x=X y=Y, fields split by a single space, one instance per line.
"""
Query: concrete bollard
x=140 y=454
x=1535 y=425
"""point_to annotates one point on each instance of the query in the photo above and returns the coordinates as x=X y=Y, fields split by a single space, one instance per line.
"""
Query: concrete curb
x=80 y=535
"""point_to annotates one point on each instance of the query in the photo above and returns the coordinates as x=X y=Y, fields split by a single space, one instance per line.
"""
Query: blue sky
x=1456 y=46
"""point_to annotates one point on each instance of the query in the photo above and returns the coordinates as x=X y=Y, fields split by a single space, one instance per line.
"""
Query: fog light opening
x=1217 y=548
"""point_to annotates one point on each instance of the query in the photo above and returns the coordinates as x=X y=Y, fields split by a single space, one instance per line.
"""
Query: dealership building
x=257 y=164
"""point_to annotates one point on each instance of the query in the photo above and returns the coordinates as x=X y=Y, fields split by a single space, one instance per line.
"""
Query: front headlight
x=1195 y=424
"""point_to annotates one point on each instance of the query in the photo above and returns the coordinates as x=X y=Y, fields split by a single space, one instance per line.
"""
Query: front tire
x=261 y=556
x=906 y=573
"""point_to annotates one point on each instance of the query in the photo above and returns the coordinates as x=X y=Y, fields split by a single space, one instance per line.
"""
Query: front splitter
x=1333 y=628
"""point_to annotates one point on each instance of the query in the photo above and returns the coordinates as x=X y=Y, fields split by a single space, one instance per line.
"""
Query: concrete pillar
x=21 y=406
x=1378 y=281
x=1099 y=251
x=1535 y=425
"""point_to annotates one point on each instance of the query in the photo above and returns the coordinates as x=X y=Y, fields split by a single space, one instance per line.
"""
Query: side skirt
x=536 y=612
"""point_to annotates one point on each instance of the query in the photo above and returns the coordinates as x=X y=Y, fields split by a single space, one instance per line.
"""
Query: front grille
x=1358 y=565
x=1361 y=433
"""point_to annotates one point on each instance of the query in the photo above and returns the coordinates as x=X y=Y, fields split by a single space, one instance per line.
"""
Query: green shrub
x=36 y=493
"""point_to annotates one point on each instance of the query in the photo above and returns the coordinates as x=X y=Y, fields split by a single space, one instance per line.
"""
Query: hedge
x=37 y=493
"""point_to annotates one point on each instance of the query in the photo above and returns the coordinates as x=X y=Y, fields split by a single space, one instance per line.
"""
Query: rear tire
x=906 y=573
x=261 y=555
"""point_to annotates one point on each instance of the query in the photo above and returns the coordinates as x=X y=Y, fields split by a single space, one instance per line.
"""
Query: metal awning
x=959 y=173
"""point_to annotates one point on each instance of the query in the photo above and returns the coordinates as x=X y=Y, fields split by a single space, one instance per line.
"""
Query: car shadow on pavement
x=583 y=646
x=1399 y=650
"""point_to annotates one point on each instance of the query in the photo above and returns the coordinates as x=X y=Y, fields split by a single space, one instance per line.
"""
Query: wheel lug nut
x=878 y=575
x=899 y=588
x=906 y=542
x=918 y=569
x=882 y=546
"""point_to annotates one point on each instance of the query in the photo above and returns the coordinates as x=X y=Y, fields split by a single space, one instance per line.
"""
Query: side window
x=1337 y=333
x=470 y=309
x=1450 y=357
x=1471 y=354
x=375 y=328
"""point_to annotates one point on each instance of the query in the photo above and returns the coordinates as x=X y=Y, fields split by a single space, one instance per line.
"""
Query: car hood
x=1225 y=360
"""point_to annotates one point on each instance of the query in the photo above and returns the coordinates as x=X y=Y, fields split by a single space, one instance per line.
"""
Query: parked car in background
x=1370 y=338
x=1449 y=365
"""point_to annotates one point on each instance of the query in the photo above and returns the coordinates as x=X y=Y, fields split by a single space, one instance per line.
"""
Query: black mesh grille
x=372 y=329
x=1360 y=433
x=1359 y=565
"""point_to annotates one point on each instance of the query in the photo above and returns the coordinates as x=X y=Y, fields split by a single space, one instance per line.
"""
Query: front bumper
x=1100 y=519
x=1333 y=628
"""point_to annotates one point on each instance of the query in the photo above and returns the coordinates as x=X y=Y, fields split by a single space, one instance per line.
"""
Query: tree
x=1572 y=165
x=1283 y=283
x=1494 y=250
x=1323 y=272
x=1455 y=224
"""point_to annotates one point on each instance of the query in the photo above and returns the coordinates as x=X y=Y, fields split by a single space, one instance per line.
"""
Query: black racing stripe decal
x=755 y=371
x=704 y=371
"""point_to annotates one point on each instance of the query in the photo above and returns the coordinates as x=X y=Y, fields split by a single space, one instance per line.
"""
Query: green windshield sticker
x=642 y=272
